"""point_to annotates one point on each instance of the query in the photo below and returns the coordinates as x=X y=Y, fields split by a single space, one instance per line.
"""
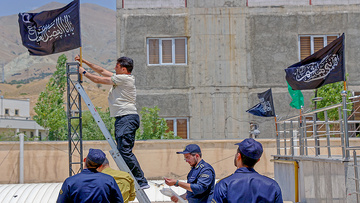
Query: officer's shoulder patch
x=204 y=175
x=223 y=178
x=61 y=192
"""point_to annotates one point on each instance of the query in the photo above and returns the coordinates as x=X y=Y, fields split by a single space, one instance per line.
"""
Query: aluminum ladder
x=140 y=194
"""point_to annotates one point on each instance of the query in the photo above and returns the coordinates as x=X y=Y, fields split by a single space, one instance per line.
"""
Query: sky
x=10 y=7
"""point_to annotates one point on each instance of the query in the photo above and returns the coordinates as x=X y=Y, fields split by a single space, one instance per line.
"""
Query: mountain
x=98 y=33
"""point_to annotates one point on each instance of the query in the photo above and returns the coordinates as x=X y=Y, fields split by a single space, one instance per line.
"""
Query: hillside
x=98 y=95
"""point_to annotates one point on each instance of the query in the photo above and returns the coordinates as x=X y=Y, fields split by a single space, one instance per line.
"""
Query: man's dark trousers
x=125 y=129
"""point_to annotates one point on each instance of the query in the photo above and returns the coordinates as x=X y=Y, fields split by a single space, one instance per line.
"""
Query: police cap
x=250 y=148
x=96 y=156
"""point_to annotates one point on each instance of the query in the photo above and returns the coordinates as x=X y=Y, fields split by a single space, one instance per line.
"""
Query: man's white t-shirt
x=122 y=95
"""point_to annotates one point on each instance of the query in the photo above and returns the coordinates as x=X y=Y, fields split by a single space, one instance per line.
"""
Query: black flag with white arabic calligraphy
x=51 y=32
x=323 y=67
x=266 y=106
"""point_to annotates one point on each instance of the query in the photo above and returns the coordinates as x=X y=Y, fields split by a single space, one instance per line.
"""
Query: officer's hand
x=170 y=182
x=174 y=199
x=77 y=58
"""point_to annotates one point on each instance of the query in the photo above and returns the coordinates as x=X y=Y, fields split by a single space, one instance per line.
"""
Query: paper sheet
x=169 y=192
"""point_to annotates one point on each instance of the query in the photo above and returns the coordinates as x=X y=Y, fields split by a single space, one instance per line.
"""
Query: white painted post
x=21 y=160
x=37 y=134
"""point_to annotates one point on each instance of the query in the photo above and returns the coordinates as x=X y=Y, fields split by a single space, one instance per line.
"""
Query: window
x=31 y=134
x=309 y=44
x=167 y=51
x=16 y=112
x=180 y=126
x=6 y=111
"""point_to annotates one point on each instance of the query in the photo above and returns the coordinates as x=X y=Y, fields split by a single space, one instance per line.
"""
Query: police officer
x=90 y=185
x=200 y=180
x=246 y=185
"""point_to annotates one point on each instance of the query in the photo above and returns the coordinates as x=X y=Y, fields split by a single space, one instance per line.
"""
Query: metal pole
x=356 y=177
x=347 y=154
x=292 y=138
x=301 y=140
x=284 y=124
x=327 y=133
x=277 y=137
x=3 y=74
x=341 y=134
x=2 y=106
x=305 y=136
x=317 y=149
x=21 y=159
x=277 y=140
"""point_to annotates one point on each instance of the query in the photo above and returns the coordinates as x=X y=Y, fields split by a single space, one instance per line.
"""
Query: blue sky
x=9 y=7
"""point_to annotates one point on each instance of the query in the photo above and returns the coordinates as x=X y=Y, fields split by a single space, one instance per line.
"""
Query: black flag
x=51 y=31
x=266 y=106
x=323 y=67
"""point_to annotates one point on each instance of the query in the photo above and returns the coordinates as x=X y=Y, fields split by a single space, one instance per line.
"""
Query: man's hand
x=174 y=199
x=81 y=69
x=170 y=182
x=77 y=58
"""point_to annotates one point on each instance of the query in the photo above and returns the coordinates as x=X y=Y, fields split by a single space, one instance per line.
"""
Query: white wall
x=23 y=107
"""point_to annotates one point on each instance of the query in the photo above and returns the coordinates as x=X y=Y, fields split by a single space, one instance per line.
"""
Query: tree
x=331 y=95
x=91 y=130
x=49 y=109
x=152 y=126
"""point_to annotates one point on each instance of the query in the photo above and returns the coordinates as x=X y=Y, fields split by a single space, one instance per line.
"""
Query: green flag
x=297 y=98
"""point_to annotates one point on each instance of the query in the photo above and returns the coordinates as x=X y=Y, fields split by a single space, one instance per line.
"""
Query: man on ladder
x=122 y=100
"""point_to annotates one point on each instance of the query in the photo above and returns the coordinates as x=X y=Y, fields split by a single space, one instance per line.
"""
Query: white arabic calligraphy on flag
x=317 y=70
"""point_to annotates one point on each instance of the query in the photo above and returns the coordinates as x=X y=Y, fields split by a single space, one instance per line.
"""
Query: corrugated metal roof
x=29 y=193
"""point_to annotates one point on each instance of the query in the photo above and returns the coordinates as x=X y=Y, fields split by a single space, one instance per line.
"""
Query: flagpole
x=343 y=42
x=301 y=134
x=276 y=127
x=81 y=76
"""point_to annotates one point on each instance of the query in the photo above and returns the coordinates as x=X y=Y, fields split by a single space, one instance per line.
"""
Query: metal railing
x=355 y=177
x=305 y=135
x=258 y=3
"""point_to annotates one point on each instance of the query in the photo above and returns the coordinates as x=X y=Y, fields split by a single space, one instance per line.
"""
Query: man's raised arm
x=102 y=71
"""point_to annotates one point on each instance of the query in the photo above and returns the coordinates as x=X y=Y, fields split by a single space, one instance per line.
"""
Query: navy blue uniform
x=246 y=185
x=201 y=179
x=90 y=186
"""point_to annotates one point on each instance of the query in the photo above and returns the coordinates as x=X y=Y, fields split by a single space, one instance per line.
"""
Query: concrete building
x=202 y=62
x=15 y=118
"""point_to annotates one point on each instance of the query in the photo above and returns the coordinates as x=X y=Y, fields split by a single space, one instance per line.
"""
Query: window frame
x=17 y=112
x=174 y=119
x=312 y=47
x=160 y=51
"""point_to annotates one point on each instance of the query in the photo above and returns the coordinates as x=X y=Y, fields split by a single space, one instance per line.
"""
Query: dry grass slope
x=32 y=90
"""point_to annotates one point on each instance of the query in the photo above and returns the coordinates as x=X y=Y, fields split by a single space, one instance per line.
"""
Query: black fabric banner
x=266 y=106
x=323 y=67
x=51 y=32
